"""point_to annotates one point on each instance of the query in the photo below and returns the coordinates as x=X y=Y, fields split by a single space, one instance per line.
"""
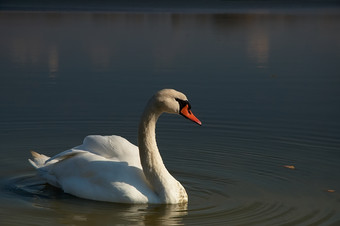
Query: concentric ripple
x=238 y=177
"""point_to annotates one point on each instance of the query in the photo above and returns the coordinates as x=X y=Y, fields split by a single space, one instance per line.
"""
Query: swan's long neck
x=155 y=171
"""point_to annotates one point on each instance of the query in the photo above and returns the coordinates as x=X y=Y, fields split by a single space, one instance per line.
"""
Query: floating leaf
x=289 y=166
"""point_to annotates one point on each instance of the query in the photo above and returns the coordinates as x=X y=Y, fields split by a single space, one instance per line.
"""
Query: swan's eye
x=183 y=103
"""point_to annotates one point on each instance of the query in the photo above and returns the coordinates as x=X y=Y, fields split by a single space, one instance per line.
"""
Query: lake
x=264 y=83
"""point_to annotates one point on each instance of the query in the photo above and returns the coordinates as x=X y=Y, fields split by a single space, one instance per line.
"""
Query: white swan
x=110 y=168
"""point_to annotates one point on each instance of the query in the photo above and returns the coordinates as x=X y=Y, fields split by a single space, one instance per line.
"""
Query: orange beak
x=186 y=112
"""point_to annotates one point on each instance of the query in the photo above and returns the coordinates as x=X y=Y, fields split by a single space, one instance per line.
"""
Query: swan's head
x=174 y=102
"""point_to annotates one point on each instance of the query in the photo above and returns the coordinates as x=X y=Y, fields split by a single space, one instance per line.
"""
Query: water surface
x=265 y=86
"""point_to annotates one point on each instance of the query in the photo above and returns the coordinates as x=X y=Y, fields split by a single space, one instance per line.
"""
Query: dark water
x=266 y=86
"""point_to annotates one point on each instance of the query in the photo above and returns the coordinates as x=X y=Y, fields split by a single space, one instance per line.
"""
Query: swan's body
x=110 y=168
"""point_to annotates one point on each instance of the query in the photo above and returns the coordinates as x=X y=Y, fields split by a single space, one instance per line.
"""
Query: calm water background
x=265 y=84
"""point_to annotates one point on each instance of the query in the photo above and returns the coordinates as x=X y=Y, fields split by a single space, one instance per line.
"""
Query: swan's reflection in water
x=96 y=213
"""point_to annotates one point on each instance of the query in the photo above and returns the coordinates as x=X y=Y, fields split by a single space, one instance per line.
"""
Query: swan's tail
x=38 y=159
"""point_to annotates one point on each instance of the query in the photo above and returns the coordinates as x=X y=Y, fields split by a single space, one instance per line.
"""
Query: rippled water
x=264 y=85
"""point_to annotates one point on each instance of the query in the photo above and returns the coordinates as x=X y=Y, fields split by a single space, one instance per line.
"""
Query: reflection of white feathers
x=110 y=168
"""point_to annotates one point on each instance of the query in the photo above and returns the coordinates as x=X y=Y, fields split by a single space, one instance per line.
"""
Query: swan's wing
x=111 y=147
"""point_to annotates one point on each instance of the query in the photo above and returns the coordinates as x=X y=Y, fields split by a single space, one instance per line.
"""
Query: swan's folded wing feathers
x=64 y=155
x=95 y=144
x=112 y=147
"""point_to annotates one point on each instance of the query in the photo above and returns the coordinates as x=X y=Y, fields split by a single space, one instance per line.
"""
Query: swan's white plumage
x=103 y=168
x=110 y=168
